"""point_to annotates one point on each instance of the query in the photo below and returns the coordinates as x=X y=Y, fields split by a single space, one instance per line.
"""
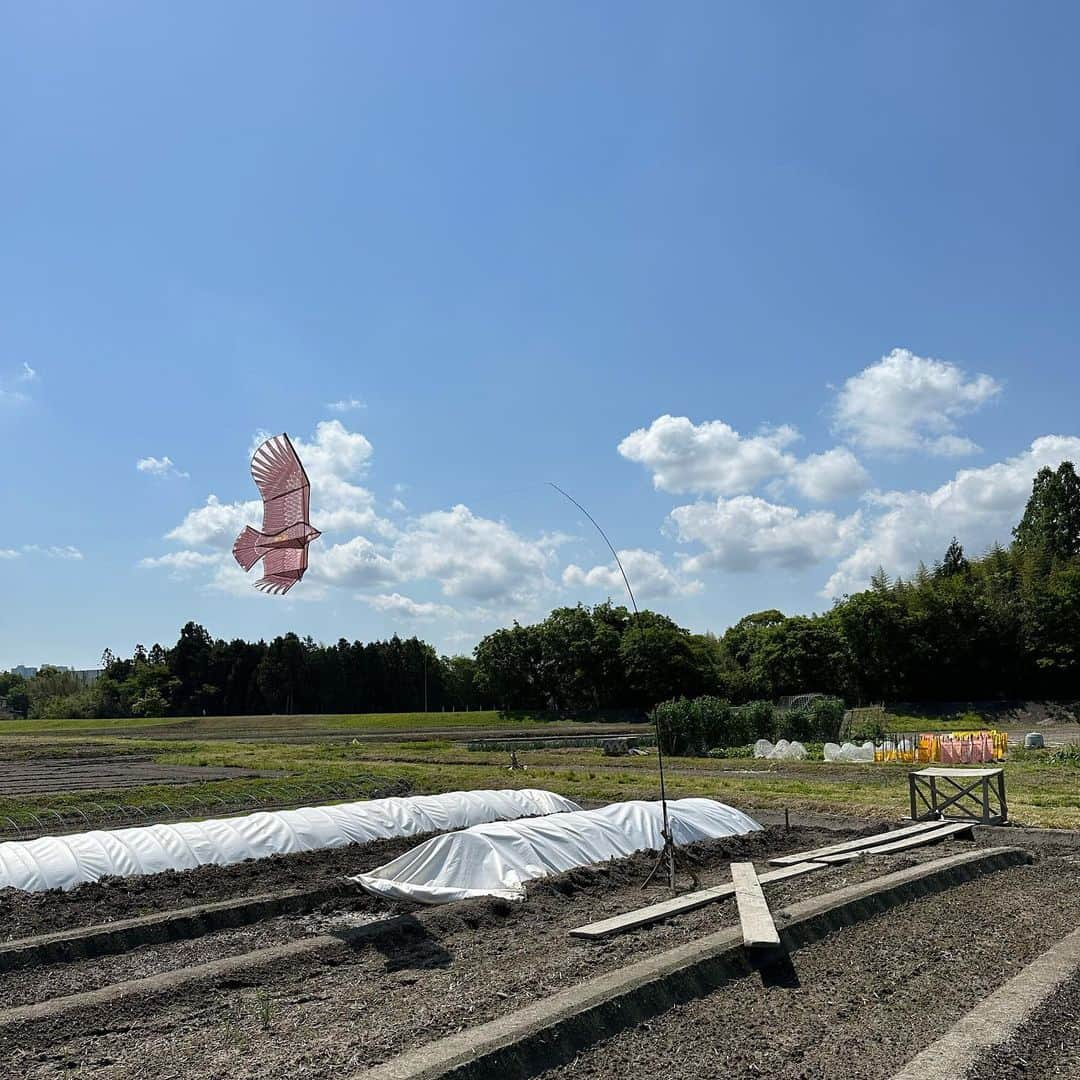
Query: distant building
x=86 y=676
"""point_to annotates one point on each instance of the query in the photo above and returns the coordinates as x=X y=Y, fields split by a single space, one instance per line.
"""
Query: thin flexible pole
x=668 y=838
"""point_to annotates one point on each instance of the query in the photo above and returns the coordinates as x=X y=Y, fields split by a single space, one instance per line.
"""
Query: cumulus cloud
x=474 y=557
x=8 y=553
x=346 y=405
x=648 y=573
x=357 y=562
x=831 y=475
x=334 y=460
x=712 y=458
x=708 y=457
x=747 y=533
x=407 y=608
x=906 y=402
x=162 y=466
x=465 y=555
x=216 y=524
x=979 y=506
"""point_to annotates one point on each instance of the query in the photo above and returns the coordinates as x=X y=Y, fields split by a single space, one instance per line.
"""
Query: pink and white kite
x=286 y=531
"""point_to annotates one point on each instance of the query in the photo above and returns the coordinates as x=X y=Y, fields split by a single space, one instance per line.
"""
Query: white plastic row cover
x=497 y=859
x=62 y=862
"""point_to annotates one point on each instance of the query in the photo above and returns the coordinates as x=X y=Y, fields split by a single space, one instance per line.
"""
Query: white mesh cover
x=62 y=862
x=496 y=859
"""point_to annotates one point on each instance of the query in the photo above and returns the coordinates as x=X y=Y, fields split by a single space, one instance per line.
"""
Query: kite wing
x=283 y=484
x=282 y=569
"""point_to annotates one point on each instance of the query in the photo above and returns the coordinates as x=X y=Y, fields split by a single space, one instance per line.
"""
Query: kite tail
x=245 y=550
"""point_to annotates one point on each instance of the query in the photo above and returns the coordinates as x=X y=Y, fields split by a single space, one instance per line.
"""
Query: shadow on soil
x=404 y=942
x=779 y=971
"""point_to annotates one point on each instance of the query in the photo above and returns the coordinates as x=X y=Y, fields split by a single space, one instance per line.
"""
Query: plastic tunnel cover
x=497 y=859
x=63 y=862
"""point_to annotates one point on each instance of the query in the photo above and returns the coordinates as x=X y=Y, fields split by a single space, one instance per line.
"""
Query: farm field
x=371 y=758
x=340 y=981
x=298 y=727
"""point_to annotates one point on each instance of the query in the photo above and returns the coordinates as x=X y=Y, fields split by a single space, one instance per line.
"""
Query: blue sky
x=778 y=291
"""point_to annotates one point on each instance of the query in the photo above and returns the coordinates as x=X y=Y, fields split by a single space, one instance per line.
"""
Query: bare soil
x=860 y=1003
x=852 y=1007
x=430 y=972
x=427 y=974
x=64 y=774
x=25 y=914
x=1046 y=1048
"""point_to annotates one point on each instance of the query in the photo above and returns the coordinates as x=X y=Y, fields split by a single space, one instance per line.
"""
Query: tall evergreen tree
x=1051 y=521
x=954 y=561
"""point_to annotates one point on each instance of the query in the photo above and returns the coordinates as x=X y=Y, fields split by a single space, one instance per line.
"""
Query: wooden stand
x=970 y=794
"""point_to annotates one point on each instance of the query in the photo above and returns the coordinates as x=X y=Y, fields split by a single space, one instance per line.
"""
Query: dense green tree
x=954 y=561
x=1051 y=521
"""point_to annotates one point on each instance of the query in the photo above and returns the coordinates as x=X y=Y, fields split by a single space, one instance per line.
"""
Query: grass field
x=1039 y=793
x=268 y=726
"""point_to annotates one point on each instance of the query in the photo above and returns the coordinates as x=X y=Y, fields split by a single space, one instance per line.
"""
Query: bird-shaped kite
x=286 y=531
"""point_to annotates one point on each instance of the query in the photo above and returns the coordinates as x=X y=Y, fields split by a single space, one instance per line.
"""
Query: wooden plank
x=758 y=928
x=854 y=845
x=943 y=830
x=632 y=920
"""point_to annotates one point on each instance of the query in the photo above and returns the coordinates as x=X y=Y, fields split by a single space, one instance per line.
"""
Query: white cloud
x=906 y=402
x=830 y=475
x=56 y=551
x=162 y=466
x=648 y=574
x=66 y=551
x=357 y=562
x=346 y=405
x=746 y=533
x=712 y=458
x=181 y=561
x=216 y=524
x=333 y=461
x=407 y=608
x=465 y=555
x=709 y=457
x=474 y=557
x=28 y=374
x=978 y=506
x=8 y=553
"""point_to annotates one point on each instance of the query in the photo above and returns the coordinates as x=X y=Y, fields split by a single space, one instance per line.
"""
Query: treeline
x=1005 y=625
x=200 y=675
